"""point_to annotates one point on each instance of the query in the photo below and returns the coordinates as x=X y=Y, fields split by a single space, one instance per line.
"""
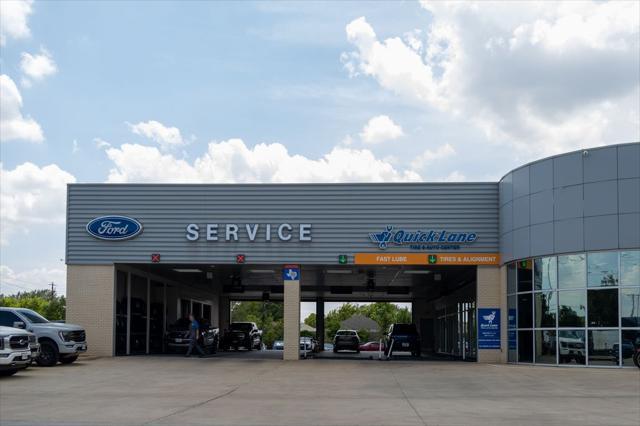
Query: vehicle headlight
x=32 y=338
x=64 y=335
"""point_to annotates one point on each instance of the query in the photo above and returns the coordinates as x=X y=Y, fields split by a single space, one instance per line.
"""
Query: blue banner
x=488 y=328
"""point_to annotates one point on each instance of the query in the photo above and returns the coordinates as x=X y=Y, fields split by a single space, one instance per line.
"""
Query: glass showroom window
x=580 y=309
x=629 y=306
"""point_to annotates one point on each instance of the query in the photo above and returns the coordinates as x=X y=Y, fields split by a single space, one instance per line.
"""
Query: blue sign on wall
x=291 y=273
x=114 y=227
x=488 y=328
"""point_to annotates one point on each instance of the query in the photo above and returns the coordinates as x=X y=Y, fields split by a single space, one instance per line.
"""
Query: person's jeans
x=194 y=343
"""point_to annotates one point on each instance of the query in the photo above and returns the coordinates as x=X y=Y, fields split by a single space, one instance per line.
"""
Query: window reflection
x=603 y=347
x=630 y=267
x=545 y=346
x=603 y=308
x=511 y=304
x=545 y=309
x=525 y=311
x=571 y=271
x=511 y=278
x=630 y=306
x=630 y=344
x=525 y=346
x=545 y=273
x=572 y=308
x=571 y=348
x=525 y=275
x=602 y=269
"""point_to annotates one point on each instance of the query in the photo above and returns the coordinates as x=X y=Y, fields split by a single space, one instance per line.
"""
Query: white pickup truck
x=58 y=341
x=15 y=350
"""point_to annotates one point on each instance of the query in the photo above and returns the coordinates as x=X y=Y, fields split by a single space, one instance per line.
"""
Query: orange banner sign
x=426 y=259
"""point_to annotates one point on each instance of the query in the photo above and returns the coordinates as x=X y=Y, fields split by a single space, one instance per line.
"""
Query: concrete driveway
x=249 y=391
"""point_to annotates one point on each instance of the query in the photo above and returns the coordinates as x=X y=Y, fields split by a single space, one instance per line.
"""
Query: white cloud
x=32 y=279
x=31 y=195
x=454 y=176
x=166 y=137
x=540 y=77
x=232 y=161
x=13 y=125
x=37 y=67
x=443 y=151
x=13 y=20
x=380 y=129
x=101 y=143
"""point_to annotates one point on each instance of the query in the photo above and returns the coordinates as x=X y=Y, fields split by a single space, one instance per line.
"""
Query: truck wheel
x=68 y=359
x=7 y=373
x=48 y=354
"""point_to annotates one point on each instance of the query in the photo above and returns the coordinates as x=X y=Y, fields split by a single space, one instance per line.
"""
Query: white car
x=15 y=350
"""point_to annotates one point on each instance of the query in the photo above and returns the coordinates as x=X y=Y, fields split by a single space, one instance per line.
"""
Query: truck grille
x=19 y=342
x=77 y=336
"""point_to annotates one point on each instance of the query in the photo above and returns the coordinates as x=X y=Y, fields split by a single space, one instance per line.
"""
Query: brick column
x=291 y=320
x=491 y=293
x=90 y=304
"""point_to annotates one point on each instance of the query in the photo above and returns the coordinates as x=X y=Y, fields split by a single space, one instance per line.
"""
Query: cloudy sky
x=294 y=92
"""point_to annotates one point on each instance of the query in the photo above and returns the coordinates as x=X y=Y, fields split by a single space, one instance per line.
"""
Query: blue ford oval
x=114 y=227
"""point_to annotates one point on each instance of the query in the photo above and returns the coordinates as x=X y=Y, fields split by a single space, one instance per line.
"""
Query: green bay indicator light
x=342 y=259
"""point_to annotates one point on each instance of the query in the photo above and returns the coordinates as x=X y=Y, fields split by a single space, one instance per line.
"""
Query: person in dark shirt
x=194 y=333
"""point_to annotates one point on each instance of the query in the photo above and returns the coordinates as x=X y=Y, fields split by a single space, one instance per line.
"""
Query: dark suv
x=346 y=339
x=404 y=338
x=242 y=335
x=177 y=338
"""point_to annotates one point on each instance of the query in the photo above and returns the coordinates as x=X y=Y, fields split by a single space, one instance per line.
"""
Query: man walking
x=194 y=333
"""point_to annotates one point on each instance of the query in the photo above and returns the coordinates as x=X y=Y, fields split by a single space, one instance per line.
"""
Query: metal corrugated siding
x=342 y=216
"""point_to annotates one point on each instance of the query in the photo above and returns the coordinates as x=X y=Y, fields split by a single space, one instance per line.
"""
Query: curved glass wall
x=575 y=309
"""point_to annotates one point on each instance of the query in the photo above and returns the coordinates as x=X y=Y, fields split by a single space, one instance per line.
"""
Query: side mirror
x=19 y=324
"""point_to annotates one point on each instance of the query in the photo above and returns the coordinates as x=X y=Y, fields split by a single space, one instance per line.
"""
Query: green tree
x=384 y=313
x=46 y=303
x=311 y=320
x=333 y=319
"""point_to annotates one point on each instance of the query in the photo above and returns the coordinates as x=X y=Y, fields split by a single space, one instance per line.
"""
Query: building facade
x=541 y=267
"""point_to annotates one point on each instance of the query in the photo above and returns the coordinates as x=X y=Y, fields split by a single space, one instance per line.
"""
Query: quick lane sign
x=426 y=259
x=431 y=239
x=488 y=328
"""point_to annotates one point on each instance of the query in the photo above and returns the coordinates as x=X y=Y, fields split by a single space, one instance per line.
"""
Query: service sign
x=114 y=228
x=488 y=328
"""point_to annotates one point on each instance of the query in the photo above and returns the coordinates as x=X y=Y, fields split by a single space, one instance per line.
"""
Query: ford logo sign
x=114 y=227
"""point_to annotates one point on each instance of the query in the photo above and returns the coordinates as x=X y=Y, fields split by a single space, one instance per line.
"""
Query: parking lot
x=262 y=391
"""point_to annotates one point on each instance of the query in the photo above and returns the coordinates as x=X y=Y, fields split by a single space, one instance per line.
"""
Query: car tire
x=7 y=373
x=68 y=359
x=48 y=354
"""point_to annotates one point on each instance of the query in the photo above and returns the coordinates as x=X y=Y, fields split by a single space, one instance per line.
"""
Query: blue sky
x=349 y=91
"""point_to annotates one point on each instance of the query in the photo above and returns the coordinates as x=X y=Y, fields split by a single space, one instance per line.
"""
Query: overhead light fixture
x=262 y=271
x=417 y=272
x=190 y=270
x=339 y=271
